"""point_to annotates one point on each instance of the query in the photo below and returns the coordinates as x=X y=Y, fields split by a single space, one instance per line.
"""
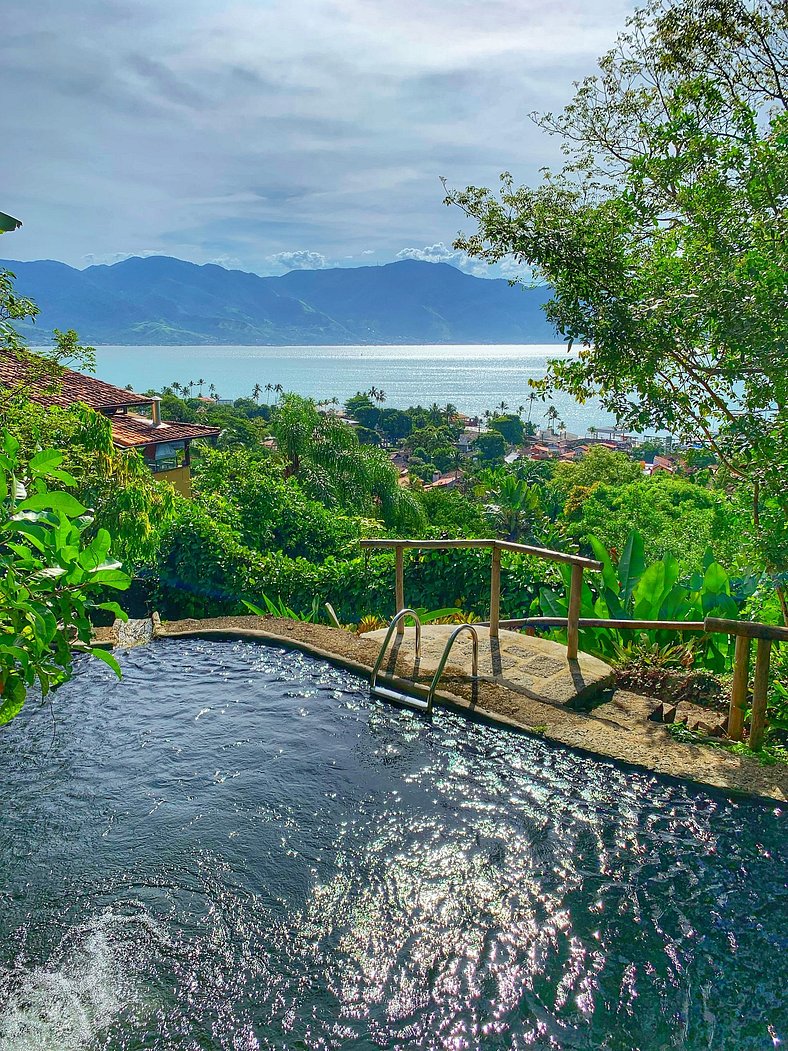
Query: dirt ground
x=618 y=728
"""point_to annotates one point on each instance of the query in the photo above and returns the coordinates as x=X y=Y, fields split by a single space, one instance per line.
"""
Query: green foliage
x=633 y=590
x=50 y=576
x=116 y=484
x=664 y=238
x=510 y=426
x=451 y=513
x=674 y=517
x=491 y=445
x=600 y=466
x=268 y=511
x=324 y=454
x=205 y=572
x=279 y=609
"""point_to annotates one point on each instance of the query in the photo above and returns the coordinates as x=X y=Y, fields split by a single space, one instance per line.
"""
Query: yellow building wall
x=180 y=478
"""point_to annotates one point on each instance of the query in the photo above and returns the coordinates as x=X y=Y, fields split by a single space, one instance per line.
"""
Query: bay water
x=473 y=378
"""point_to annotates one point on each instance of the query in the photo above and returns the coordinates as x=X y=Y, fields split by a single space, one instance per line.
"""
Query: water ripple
x=235 y=848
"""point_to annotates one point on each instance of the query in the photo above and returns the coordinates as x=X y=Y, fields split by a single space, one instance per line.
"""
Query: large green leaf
x=552 y=606
x=716 y=580
x=631 y=564
x=108 y=658
x=97 y=550
x=601 y=554
x=647 y=595
x=63 y=502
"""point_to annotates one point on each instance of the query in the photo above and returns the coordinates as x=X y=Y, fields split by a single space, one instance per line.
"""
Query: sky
x=266 y=135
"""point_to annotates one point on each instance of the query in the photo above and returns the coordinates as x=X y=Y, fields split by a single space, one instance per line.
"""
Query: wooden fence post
x=760 y=690
x=572 y=627
x=399 y=586
x=741 y=675
x=495 y=590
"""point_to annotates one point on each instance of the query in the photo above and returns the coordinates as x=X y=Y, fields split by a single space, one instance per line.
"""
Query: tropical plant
x=632 y=590
x=324 y=454
x=283 y=611
x=50 y=577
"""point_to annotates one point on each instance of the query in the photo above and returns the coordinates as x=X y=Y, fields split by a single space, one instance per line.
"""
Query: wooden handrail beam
x=599 y=622
x=427 y=545
x=749 y=629
x=502 y=545
x=550 y=555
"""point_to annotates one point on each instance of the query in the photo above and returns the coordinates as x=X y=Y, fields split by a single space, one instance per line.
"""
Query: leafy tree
x=510 y=426
x=674 y=517
x=598 y=466
x=395 y=424
x=665 y=237
x=324 y=454
x=49 y=577
x=512 y=505
x=452 y=514
x=491 y=445
x=117 y=484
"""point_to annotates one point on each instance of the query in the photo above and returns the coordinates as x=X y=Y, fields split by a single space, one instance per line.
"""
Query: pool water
x=235 y=848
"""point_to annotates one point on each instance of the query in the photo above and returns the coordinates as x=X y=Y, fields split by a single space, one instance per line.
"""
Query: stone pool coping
x=618 y=729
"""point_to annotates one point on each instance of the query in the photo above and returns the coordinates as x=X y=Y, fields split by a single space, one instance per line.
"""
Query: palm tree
x=520 y=410
x=325 y=455
x=176 y=387
x=199 y=385
x=212 y=391
x=257 y=390
x=503 y=406
x=532 y=397
x=551 y=416
x=269 y=387
x=278 y=388
x=451 y=412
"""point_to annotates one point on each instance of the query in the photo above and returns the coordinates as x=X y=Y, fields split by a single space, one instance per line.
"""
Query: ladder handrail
x=445 y=656
x=392 y=626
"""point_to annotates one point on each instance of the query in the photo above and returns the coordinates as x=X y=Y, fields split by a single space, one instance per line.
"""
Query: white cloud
x=302 y=260
x=238 y=130
x=442 y=253
x=108 y=258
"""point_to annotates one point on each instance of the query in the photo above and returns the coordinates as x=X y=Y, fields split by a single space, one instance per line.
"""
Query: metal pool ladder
x=393 y=692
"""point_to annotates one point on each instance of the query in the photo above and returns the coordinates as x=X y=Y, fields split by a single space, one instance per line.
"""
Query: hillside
x=159 y=300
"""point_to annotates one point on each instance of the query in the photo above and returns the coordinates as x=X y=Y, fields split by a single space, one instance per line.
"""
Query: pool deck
x=618 y=728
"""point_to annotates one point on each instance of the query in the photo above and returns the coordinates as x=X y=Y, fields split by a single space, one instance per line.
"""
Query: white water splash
x=65 y=1005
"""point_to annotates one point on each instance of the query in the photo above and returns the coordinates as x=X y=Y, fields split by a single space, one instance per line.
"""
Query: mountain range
x=157 y=300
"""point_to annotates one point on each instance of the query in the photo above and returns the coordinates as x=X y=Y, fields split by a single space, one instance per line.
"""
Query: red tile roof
x=33 y=376
x=130 y=431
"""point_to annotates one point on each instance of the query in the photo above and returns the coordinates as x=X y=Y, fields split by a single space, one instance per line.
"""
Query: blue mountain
x=159 y=300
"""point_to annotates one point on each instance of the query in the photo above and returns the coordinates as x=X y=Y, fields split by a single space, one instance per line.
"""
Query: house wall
x=179 y=477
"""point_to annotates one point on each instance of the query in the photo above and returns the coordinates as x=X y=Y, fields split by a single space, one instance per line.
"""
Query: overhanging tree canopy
x=665 y=236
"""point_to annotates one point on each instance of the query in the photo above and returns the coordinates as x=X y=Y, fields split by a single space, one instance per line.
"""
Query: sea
x=473 y=378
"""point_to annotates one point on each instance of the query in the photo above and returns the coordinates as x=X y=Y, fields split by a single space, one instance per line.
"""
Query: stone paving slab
x=537 y=668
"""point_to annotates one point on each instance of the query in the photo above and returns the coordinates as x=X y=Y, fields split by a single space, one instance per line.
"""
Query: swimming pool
x=235 y=848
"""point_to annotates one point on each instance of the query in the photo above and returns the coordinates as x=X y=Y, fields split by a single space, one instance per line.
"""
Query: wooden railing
x=577 y=562
x=744 y=630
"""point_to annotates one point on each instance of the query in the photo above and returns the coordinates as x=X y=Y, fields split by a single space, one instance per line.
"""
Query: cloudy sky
x=268 y=134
